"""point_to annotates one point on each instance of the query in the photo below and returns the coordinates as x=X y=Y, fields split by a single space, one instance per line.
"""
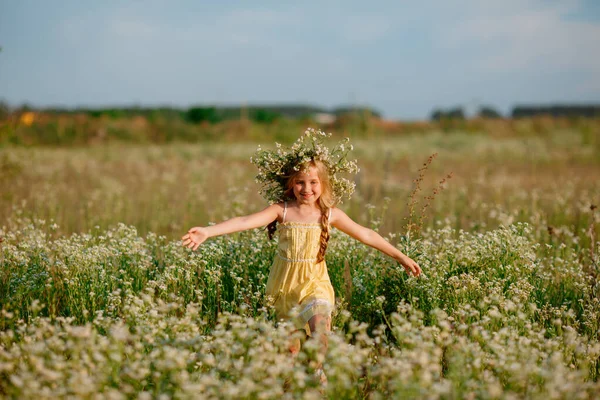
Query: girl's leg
x=320 y=326
x=295 y=343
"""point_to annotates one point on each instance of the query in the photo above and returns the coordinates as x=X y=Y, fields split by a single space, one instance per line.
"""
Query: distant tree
x=197 y=115
x=437 y=114
x=24 y=108
x=4 y=110
x=356 y=110
x=454 y=113
x=488 y=112
x=559 y=110
x=115 y=113
x=94 y=113
x=264 y=116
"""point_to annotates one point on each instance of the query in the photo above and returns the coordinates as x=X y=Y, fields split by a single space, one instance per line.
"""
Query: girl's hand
x=195 y=237
x=411 y=267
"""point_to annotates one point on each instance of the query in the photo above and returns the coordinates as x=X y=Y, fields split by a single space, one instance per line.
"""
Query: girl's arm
x=341 y=221
x=197 y=235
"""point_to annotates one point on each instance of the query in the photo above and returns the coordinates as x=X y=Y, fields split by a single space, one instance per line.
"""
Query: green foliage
x=263 y=116
x=488 y=112
x=557 y=110
x=451 y=114
x=4 y=110
x=198 y=115
x=363 y=112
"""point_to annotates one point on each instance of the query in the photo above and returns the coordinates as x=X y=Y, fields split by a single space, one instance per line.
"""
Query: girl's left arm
x=341 y=221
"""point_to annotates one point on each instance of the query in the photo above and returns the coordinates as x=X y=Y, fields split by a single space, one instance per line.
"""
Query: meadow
x=100 y=300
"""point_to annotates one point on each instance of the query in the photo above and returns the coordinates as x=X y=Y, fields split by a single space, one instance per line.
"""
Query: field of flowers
x=99 y=299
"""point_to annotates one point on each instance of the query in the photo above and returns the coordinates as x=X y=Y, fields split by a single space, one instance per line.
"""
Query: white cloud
x=253 y=18
x=128 y=28
x=249 y=27
x=526 y=34
x=365 y=28
x=589 y=88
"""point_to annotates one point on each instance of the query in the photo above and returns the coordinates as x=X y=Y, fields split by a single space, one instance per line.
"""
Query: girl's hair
x=325 y=202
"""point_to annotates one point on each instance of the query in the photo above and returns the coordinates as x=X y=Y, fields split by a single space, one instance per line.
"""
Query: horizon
x=327 y=110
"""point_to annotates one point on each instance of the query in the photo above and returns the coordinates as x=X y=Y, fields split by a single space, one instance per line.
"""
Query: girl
x=298 y=283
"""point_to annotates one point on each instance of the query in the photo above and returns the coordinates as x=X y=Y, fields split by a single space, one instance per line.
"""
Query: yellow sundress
x=296 y=279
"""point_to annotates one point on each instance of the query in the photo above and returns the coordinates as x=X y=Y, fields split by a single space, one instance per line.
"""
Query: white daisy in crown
x=276 y=166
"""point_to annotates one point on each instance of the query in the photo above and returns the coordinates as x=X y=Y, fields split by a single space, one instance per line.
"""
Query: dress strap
x=284 y=211
x=329 y=218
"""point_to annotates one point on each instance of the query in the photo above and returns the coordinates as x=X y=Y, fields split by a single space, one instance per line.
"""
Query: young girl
x=304 y=180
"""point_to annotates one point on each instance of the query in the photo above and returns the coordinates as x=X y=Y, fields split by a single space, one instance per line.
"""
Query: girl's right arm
x=197 y=235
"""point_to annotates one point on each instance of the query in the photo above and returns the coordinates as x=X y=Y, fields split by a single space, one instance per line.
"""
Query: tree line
x=271 y=113
x=521 y=111
x=204 y=113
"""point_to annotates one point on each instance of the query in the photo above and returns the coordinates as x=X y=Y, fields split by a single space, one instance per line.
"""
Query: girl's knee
x=320 y=323
x=294 y=346
x=297 y=338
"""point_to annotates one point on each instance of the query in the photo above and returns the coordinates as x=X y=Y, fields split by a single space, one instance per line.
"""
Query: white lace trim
x=296 y=259
x=316 y=302
x=299 y=226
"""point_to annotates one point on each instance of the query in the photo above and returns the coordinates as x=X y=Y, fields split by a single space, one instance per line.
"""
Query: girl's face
x=307 y=186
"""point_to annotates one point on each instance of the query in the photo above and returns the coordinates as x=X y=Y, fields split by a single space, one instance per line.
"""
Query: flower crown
x=275 y=167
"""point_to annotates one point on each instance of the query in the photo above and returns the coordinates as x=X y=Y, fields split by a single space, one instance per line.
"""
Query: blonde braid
x=324 y=233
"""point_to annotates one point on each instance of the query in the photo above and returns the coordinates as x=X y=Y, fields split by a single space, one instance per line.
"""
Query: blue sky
x=399 y=57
